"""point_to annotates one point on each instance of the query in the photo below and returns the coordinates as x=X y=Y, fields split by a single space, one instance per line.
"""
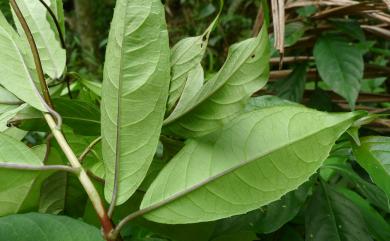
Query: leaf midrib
x=195 y=187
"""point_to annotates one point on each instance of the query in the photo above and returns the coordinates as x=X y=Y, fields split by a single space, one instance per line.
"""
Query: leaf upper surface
x=42 y=227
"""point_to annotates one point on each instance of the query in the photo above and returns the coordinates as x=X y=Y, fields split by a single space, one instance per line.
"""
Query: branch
x=25 y=167
x=83 y=177
x=89 y=148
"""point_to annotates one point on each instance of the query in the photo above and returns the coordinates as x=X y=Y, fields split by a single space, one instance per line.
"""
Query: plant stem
x=34 y=49
x=89 y=148
x=24 y=167
x=83 y=177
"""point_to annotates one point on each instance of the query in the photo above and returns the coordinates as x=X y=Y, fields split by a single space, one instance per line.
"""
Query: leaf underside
x=255 y=160
x=135 y=90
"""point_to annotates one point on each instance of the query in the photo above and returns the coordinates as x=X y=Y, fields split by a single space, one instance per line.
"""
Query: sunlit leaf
x=255 y=160
x=135 y=90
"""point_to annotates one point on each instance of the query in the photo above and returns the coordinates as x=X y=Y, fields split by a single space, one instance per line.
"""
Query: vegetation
x=194 y=120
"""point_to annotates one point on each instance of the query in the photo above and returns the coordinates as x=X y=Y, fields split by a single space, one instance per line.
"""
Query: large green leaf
x=186 y=56
x=16 y=75
x=255 y=160
x=225 y=95
x=330 y=216
x=15 y=185
x=374 y=156
x=40 y=227
x=341 y=66
x=53 y=56
x=135 y=90
x=376 y=224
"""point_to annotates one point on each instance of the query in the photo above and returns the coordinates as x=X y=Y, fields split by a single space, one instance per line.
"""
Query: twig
x=25 y=167
x=89 y=148
x=83 y=177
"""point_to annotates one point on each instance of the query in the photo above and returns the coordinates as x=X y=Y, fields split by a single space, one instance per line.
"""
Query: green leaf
x=186 y=57
x=294 y=32
x=373 y=193
x=9 y=114
x=16 y=75
x=93 y=86
x=53 y=56
x=265 y=101
x=292 y=87
x=330 y=216
x=15 y=185
x=135 y=90
x=39 y=227
x=376 y=224
x=341 y=66
x=225 y=95
x=284 y=210
x=82 y=116
x=374 y=156
x=252 y=162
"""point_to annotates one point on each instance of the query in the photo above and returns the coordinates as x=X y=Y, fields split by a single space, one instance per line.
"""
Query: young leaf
x=14 y=66
x=330 y=216
x=53 y=56
x=135 y=90
x=15 y=184
x=186 y=56
x=373 y=155
x=341 y=66
x=255 y=160
x=34 y=226
x=224 y=96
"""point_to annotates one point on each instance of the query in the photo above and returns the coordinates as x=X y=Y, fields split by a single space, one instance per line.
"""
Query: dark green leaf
x=330 y=216
x=341 y=66
x=40 y=227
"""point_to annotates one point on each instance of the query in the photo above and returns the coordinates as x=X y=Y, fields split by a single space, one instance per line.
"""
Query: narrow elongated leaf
x=39 y=227
x=14 y=68
x=376 y=224
x=374 y=156
x=186 y=56
x=255 y=160
x=53 y=56
x=330 y=216
x=224 y=96
x=135 y=90
x=15 y=185
x=372 y=192
x=341 y=66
